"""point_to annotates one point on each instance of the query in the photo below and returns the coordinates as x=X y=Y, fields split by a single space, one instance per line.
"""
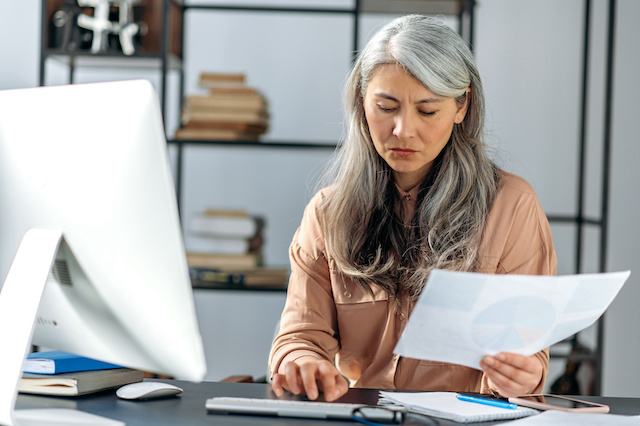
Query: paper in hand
x=461 y=316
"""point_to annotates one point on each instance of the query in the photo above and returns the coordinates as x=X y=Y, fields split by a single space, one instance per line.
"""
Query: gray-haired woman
x=412 y=189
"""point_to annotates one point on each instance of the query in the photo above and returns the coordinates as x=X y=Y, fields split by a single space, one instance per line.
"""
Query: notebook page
x=445 y=405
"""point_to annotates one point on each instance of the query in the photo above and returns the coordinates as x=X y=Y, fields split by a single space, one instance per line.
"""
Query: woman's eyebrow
x=432 y=100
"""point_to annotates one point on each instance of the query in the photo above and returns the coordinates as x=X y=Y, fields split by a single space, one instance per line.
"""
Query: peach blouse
x=330 y=317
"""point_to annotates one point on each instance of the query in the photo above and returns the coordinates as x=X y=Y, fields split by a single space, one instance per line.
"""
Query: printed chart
x=510 y=324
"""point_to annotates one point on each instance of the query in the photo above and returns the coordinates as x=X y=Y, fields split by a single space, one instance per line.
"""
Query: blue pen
x=486 y=401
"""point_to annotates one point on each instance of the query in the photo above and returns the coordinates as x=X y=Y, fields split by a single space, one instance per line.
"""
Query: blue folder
x=55 y=362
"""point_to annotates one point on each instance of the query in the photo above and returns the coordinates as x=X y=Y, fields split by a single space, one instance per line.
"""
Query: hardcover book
x=222 y=224
x=55 y=362
x=79 y=382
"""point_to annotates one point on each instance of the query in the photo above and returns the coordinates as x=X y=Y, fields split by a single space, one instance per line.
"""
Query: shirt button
x=407 y=197
x=396 y=357
x=401 y=316
x=347 y=294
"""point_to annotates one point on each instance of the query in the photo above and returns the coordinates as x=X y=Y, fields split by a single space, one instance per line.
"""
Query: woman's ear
x=462 y=108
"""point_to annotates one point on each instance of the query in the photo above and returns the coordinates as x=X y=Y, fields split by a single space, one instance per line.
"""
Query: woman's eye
x=385 y=109
x=428 y=113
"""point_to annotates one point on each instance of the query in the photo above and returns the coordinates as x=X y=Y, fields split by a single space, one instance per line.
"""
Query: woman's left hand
x=512 y=374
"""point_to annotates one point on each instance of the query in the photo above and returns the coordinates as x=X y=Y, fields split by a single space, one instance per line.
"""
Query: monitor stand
x=19 y=301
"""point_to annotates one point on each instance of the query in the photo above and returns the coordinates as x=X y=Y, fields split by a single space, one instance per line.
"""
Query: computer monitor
x=87 y=194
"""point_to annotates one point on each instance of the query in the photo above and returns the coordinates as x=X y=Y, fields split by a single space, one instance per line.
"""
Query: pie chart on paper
x=511 y=324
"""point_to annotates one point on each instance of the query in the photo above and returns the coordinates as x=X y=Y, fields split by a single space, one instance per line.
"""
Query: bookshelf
x=169 y=57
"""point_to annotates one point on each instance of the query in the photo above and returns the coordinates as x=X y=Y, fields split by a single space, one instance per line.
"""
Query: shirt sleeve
x=308 y=323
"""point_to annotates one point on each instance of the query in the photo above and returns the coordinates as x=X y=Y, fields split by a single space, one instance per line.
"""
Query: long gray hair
x=358 y=215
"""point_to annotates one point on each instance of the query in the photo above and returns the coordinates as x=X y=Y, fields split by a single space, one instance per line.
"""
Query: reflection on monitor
x=85 y=185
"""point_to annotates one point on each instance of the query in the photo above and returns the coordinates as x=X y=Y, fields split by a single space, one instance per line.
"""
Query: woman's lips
x=402 y=152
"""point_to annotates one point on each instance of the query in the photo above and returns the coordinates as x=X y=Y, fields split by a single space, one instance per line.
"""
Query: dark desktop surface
x=189 y=408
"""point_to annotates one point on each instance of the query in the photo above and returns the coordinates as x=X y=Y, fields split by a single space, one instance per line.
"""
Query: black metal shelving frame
x=165 y=62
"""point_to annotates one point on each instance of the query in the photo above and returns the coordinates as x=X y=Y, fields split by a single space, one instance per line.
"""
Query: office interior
x=529 y=53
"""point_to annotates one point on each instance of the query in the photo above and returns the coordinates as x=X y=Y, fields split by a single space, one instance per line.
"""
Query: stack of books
x=224 y=248
x=64 y=374
x=231 y=110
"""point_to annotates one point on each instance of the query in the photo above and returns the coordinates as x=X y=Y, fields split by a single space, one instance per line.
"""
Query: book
x=204 y=244
x=232 y=90
x=208 y=77
x=446 y=405
x=240 y=127
x=55 y=362
x=249 y=101
x=225 y=223
x=215 y=134
x=79 y=382
x=260 y=118
x=257 y=277
x=225 y=212
x=224 y=262
x=220 y=82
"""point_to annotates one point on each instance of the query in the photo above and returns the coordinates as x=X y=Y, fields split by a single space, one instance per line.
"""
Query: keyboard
x=299 y=409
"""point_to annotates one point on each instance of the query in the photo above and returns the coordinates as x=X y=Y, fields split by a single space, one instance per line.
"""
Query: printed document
x=561 y=418
x=462 y=316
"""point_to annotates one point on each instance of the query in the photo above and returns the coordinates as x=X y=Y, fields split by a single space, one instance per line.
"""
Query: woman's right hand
x=310 y=376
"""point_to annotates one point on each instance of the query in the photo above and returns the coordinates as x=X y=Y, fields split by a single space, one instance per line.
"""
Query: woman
x=412 y=190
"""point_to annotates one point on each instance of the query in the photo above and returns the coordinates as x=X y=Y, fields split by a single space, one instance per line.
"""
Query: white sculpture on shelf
x=101 y=25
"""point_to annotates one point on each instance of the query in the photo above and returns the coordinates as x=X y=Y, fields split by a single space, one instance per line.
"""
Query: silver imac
x=90 y=238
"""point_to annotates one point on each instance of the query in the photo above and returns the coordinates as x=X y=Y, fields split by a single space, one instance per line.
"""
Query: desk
x=189 y=408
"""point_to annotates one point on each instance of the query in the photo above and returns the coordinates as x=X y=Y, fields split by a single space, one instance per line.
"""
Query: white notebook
x=446 y=405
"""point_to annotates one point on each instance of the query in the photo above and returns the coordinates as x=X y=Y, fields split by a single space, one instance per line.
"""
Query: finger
x=501 y=383
x=510 y=379
x=277 y=384
x=328 y=378
x=292 y=375
x=517 y=361
x=498 y=365
x=308 y=376
x=342 y=386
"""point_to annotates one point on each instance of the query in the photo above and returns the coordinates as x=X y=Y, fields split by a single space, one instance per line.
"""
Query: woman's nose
x=405 y=125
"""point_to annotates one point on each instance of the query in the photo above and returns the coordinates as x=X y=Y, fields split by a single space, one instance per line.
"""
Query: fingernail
x=501 y=357
x=312 y=394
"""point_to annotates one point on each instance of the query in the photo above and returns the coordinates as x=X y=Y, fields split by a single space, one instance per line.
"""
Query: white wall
x=529 y=56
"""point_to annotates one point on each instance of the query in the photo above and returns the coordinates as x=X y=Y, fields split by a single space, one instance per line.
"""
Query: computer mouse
x=147 y=390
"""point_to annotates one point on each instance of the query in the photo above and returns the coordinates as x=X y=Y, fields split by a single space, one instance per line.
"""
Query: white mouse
x=147 y=390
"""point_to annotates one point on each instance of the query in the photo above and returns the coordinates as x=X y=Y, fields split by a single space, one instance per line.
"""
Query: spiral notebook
x=445 y=405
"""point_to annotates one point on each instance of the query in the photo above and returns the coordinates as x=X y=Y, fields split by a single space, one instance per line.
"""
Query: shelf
x=257 y=144
x=430 y=7
x=576 y=219
x=577 y=357
x=223 y=287
x=113 y=60
x=247 y=8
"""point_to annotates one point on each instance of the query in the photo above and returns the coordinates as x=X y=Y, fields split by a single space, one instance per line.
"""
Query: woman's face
x=409 y=125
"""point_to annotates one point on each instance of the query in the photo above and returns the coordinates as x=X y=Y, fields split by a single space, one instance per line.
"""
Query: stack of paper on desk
x=461 y=316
